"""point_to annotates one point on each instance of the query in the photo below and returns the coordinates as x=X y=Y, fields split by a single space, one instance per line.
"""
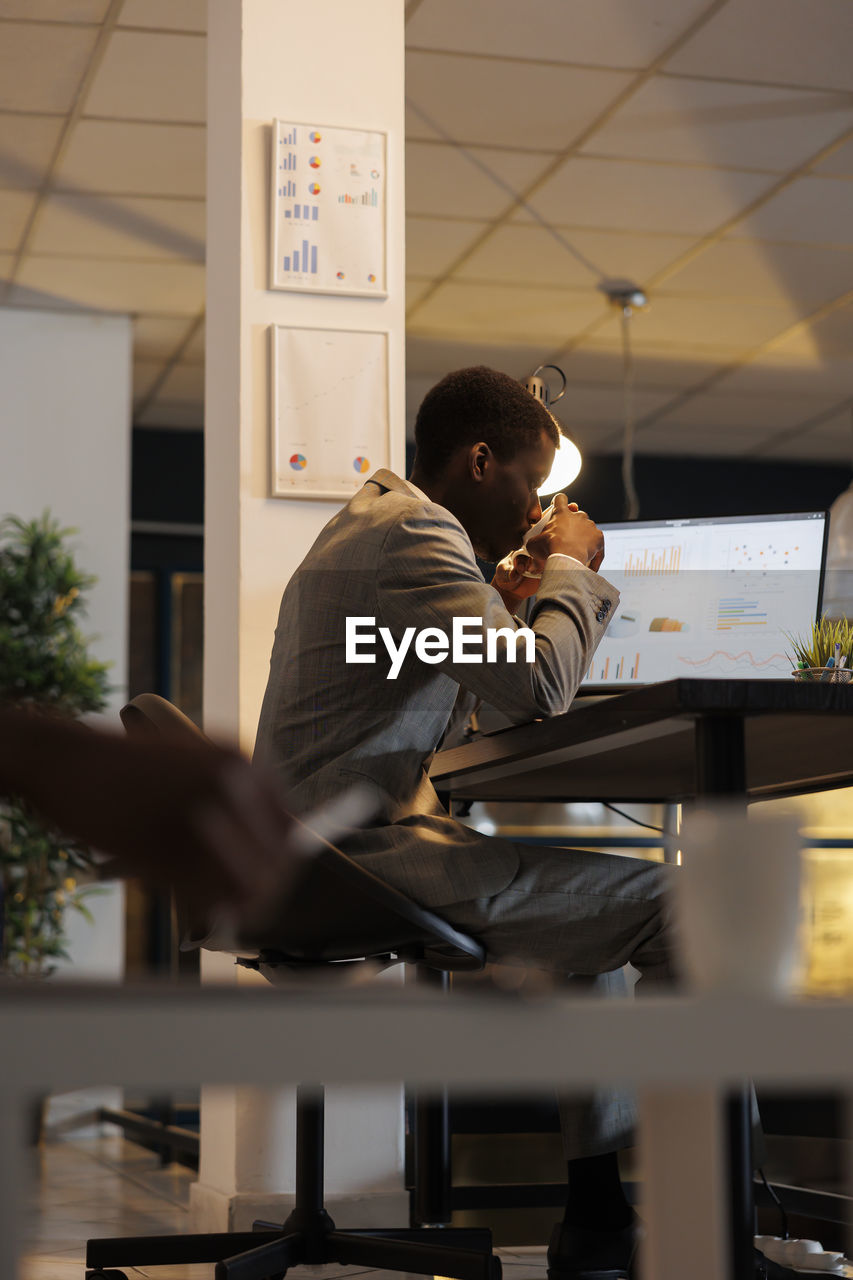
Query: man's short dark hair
x=478 y=404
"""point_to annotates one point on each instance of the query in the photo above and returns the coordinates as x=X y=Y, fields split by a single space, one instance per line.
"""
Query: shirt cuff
x=558 y=560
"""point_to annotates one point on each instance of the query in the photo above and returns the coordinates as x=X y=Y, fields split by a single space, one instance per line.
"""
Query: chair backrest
x=337 y=910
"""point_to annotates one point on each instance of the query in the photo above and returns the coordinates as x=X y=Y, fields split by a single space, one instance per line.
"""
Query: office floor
x=105 y=1186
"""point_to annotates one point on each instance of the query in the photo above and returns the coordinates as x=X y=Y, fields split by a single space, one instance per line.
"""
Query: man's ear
x=479 y=458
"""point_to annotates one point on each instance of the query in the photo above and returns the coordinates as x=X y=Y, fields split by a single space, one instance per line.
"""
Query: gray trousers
x=585 y=914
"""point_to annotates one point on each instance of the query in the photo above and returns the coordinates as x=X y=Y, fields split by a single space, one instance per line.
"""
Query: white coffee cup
x=739 y=899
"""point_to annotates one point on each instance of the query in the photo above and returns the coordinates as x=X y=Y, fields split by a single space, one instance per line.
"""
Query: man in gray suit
x=363 y=681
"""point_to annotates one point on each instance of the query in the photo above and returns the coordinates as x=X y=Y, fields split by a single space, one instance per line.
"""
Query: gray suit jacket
x=326 y=724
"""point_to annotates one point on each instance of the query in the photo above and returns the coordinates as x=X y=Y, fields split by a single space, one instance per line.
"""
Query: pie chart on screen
x=298 y=462
x=361 y=465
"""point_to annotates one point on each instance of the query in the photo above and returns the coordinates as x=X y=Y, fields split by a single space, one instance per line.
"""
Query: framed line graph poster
x=330 y=421
x=328 y=210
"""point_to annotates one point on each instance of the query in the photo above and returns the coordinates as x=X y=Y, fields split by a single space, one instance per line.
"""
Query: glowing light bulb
x=567 y=465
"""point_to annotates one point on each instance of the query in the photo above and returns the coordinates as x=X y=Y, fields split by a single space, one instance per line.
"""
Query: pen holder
x=824 y=675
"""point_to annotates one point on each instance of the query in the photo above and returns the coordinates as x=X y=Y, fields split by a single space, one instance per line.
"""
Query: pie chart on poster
x=361 y=465
x=298 y=462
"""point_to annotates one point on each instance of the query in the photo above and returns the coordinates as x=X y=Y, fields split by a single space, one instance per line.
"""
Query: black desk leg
x=721 y=774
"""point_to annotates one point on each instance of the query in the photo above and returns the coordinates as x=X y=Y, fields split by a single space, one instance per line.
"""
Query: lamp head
x=567 y=460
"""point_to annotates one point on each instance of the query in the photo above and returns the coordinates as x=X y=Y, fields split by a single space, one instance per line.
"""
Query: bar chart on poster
x=330 y=421
x=708 y=597
x=328 y=210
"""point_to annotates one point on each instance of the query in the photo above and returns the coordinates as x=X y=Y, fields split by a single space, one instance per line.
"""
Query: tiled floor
x=105 y=1186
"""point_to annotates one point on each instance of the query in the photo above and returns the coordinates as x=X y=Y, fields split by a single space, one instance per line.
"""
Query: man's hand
x=569 y=532
x=180 y=813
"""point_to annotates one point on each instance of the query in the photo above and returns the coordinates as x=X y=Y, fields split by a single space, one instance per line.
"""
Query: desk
x=676 y=741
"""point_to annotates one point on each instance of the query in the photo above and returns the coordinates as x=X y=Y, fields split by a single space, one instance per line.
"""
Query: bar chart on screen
x=663 y=559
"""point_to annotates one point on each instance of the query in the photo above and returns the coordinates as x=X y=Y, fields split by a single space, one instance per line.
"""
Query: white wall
x=65 y=405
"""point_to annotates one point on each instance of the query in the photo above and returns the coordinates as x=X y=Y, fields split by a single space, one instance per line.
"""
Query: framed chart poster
x=328 y=210
x=330 y=426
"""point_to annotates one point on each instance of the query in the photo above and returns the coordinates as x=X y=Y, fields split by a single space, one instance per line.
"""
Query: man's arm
x=427 y=576
x=179 y=813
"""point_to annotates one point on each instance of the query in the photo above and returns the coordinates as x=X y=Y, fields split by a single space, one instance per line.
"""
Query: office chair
x=338 y=916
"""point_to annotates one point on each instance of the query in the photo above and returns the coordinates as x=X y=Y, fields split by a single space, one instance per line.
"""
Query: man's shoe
x=584 y=1253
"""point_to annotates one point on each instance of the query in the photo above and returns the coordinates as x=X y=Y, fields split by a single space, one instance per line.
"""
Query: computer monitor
x=708 y=597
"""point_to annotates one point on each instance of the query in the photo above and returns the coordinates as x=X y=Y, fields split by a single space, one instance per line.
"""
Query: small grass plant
x=816 y=648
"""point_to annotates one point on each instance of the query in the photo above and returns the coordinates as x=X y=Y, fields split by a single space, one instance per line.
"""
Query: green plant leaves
x=43 y=661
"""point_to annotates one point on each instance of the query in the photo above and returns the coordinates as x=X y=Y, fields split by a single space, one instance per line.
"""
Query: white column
x=332 y=63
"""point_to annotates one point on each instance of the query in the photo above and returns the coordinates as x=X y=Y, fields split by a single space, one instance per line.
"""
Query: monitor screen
x=709 y=597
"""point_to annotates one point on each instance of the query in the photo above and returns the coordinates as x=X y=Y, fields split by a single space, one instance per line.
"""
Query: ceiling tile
x=804 y=275
x=55 y=10
x=591 y=410
x=145 y=375
x=167 y=15
x=749 y=413
x=194 y=351
x=482 y=312
x=596 y=360
x=811 y=210
x=181 y=416
x=774 y=41
x=139 y=159
x=41 y=66
x=716 y=123
x=519 y=253
x=830 y=337
x=685 y=441
x=785 y=370
x=115 y=227
x=432 y=244
x=644 y=197
x=151 y=77
x=117 y=286
x=15 y=208
x=512 y=104
x=442 y=180
x=707 y=321
x=155 y=338
x=27 y=144
x=840 y=162
x=184 y=385
x=831 y=441
x=415 y=290
x=438 y=356
x=7 y=261
x=611 y=33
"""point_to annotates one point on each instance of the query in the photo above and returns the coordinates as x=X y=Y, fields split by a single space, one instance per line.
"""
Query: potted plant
x=44 y=663
x=825 y=653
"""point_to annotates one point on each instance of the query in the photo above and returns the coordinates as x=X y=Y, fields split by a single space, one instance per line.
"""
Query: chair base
x=265 y=1254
